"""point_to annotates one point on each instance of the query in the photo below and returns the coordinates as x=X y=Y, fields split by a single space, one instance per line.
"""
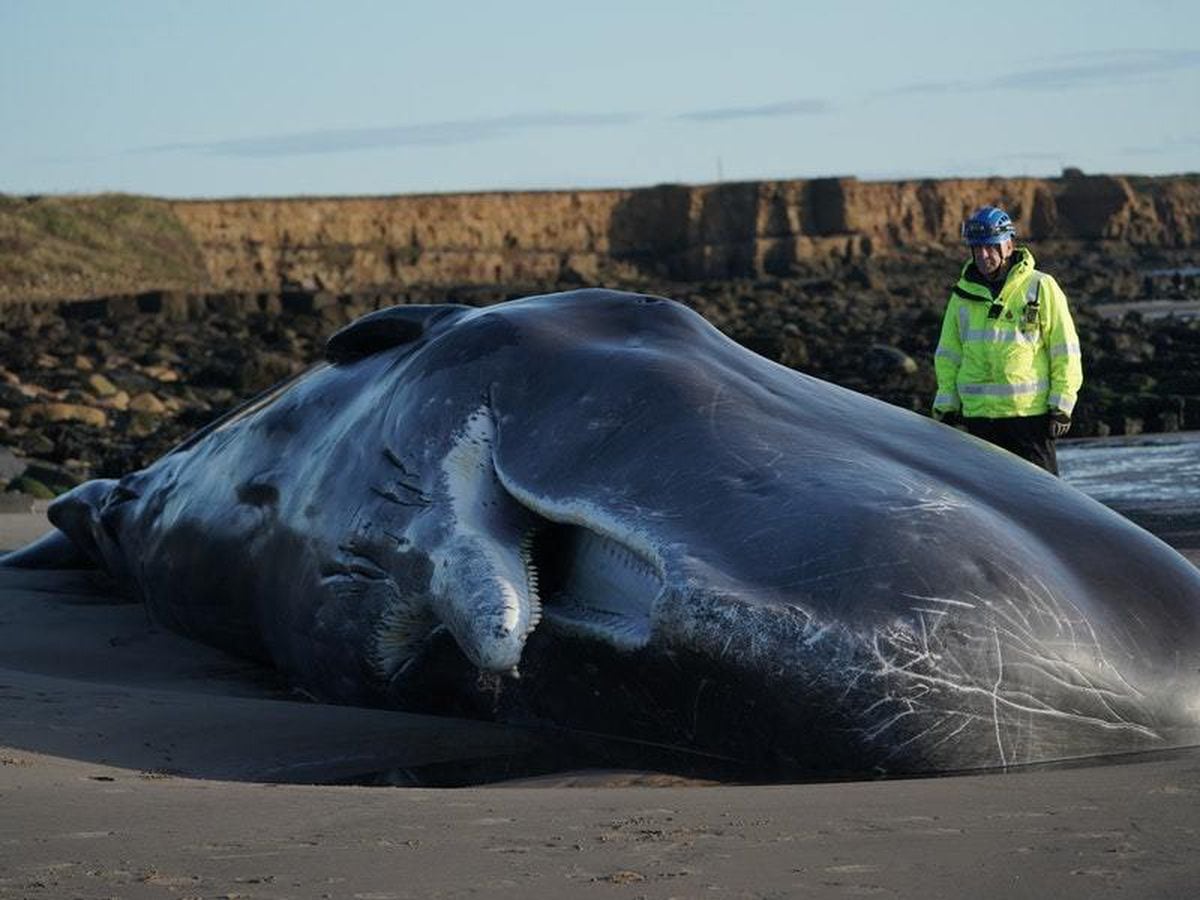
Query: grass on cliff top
x=67 y=246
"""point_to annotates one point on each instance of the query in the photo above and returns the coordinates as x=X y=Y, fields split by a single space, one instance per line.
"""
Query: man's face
x=991 y=259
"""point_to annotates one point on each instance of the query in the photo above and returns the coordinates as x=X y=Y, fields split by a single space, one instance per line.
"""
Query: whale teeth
x=535 y=611
x=592 y=583
x=531 y=579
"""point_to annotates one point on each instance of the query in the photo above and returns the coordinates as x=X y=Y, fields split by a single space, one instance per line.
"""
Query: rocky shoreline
x=100 y=387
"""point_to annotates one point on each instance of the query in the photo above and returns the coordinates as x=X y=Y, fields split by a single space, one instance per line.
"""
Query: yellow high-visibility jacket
x=1015 y=354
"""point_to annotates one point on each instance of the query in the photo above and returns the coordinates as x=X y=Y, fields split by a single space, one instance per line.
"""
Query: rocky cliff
x=682 y=232
x=687 y=233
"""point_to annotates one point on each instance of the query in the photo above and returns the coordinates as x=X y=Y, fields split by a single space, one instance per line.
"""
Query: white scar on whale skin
x=480 y=586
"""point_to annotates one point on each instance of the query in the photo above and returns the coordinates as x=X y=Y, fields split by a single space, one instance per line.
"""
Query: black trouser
x=1026 y=436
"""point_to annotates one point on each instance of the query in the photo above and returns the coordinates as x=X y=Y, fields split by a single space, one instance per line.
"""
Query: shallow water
x=1159 y=470
x=1183 y=271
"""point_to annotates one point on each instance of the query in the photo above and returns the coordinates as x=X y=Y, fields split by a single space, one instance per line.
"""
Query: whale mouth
x=591 y=584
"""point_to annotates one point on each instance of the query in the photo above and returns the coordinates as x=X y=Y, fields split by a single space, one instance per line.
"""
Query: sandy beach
x=134 y=763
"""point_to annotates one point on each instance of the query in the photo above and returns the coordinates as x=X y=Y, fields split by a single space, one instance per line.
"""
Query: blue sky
x=213 y=98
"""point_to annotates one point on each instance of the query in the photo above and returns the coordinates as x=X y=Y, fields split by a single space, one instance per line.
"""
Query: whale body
x=594 y=509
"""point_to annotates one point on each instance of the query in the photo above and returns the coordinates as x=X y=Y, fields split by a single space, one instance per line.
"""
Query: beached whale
x=666 y=536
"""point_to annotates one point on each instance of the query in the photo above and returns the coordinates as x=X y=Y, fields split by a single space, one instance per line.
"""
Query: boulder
x=141 y=425
x=161 y=373
x=30 y=487
x=11 y=465
x=882 y=361
x=148 y=404
x=118 y=401
x=100 y=385
x=35 y=413
x=57 y=478
x=12 y=397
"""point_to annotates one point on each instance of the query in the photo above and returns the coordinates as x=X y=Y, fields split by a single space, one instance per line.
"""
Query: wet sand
x=134 y=763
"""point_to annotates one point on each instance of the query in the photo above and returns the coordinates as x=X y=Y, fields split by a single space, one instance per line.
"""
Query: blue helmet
x=988 y=225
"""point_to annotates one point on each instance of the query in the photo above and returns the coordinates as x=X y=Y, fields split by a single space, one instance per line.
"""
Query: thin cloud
x=1032 y=156
x=930 y=87
x=1170 y=145
x=430 y=134
x=1103 y=68
x=1079 y=70
x=769 y=110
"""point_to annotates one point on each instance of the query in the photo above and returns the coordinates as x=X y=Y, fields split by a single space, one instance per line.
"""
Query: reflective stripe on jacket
x=1014 y=355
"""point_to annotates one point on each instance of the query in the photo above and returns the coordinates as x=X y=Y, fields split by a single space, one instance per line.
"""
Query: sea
x=1162 y=468
x=1153 y=479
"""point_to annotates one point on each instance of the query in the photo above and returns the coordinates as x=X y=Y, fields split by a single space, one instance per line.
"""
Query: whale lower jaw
x=509 y=557
x=576 y=580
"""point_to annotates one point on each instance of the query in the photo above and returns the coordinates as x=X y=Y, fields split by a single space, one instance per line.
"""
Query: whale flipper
x=53 y=550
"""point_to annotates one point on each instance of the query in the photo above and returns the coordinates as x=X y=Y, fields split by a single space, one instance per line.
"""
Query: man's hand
x=950 y=417
x=1060 y=423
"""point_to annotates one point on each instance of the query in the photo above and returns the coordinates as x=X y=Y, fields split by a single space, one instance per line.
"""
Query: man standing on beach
x=1008 y=363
